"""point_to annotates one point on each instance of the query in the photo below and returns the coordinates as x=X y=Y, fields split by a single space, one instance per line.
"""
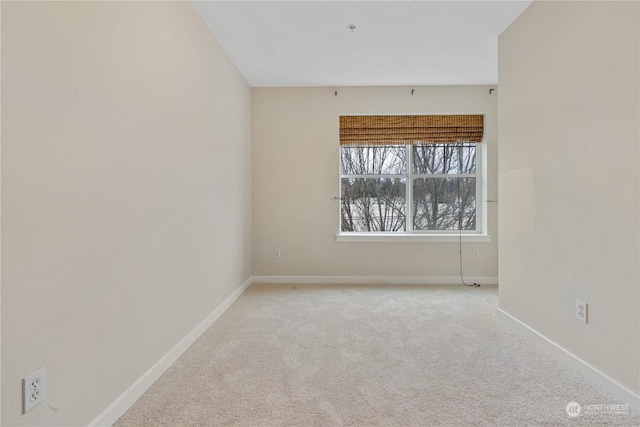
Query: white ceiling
x=395 y=43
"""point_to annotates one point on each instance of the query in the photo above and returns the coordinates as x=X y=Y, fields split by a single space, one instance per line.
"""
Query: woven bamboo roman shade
x=408 y=130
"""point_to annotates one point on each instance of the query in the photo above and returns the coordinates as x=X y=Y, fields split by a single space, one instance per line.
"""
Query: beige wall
x=569 y=171
x=295 y=175
x=125 y=195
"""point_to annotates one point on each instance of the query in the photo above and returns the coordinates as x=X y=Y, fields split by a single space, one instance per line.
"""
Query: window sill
x=412 y=238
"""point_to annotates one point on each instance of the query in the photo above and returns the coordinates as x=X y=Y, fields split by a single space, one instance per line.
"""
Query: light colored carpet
x=325 y=355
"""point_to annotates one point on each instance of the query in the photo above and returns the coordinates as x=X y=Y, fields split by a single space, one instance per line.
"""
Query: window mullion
x=409 y=190
x=374 y=176
x=446 y=175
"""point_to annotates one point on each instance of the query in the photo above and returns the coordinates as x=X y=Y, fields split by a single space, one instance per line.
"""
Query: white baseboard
x=611 y=386
x=129 y=397
x=390 y=280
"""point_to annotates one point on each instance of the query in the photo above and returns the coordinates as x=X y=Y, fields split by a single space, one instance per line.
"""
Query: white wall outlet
x=276 y=252
x=474 y=253
x=581 y=311
x=32 y=390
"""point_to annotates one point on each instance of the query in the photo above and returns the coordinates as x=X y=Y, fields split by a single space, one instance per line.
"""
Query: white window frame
x=411 y=235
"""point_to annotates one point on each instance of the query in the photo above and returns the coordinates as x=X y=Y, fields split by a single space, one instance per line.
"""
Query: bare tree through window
x=374 y=199
x=442 y=201
x=374 y=187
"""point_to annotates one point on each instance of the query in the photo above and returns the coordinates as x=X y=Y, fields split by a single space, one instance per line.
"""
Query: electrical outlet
x=276 y=252
x=32 y=390
x=474 y=253
x=581 y=311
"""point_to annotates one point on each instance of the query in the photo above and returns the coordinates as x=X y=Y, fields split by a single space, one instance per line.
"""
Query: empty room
x=320 y=213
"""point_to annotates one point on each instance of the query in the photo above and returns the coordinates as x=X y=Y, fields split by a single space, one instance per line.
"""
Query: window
x=410 y=174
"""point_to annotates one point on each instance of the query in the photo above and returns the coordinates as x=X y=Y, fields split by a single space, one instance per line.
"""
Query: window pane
x=437 y=203
x=373 y=204
x=374 y=160
x=444 y=159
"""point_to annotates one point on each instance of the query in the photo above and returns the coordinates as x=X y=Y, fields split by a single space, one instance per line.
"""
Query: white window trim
x=393 y=237
x=420 y=236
